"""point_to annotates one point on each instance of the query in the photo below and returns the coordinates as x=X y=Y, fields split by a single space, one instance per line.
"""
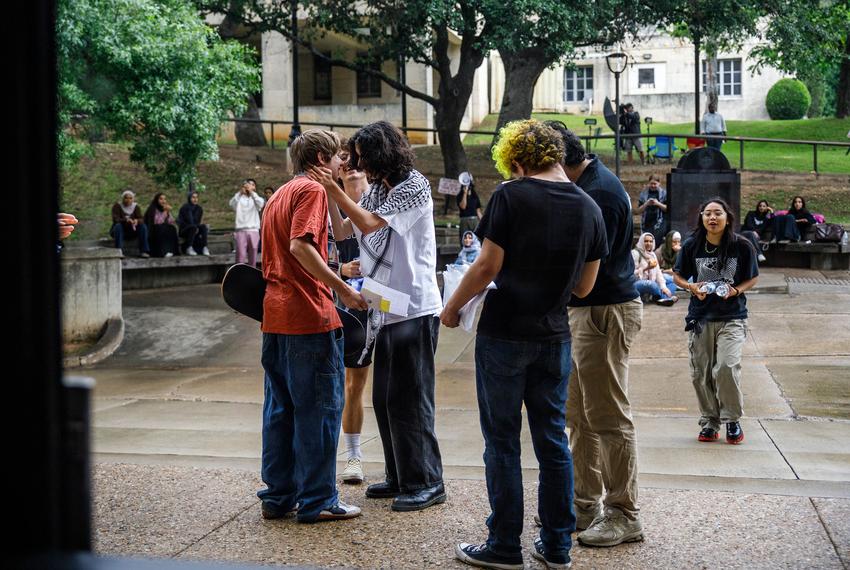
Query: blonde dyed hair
x=307 y=147
x=529 y=143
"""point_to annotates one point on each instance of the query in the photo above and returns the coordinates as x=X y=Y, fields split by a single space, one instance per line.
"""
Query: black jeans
x=403 y=397
x=194 y=237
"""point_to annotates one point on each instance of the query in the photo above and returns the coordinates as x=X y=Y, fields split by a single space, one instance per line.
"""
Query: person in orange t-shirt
x=302 y=344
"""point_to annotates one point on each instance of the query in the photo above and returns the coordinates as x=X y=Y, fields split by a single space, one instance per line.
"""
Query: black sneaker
x=734 y=433
x=481 y=556
x=708 y=434
x=554 y=562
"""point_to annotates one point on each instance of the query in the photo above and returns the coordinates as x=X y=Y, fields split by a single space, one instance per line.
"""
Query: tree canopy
x=150 y=72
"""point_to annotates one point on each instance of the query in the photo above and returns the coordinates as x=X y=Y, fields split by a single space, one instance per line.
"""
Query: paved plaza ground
x=176 y=429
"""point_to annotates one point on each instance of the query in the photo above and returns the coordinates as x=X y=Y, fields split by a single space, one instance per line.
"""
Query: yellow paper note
x=385 y=305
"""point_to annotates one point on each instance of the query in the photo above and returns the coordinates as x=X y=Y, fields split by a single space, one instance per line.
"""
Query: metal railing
x=588 y=138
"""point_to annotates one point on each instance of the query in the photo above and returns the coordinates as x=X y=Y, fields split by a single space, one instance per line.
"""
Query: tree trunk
x=842 y=104
x=522 y=70
x=247 y=134
x=454 y=97
x=250 y=134
x=711 y=78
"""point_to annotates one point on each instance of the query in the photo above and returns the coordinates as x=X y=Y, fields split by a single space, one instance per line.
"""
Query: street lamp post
x=295 y=131
x=617 y=64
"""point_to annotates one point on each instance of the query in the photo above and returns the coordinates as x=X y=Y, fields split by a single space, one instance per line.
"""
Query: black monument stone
x=701 y=174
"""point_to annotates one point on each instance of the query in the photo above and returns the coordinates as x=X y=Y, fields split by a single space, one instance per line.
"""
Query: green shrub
x=788 y=99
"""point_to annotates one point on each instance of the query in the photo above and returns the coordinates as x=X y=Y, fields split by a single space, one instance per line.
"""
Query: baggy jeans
x=598 y=411
x=403 y=397
x=302 y=415
x=509 y=374
x=715 y=358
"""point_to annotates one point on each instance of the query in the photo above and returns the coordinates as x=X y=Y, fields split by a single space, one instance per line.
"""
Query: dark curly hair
x=574 y=153
x=384 y=154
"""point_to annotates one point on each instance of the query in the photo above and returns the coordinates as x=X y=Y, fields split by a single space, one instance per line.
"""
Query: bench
x=814 y=255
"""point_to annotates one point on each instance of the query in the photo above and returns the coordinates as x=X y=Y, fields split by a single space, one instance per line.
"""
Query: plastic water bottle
x=845 y=238
x=722 y=290
x=708 y=288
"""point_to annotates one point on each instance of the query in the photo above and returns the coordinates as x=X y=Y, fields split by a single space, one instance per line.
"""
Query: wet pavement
x=176 y=432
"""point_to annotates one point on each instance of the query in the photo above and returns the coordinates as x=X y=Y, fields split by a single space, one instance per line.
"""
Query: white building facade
x=659 y=81
x=333 y=96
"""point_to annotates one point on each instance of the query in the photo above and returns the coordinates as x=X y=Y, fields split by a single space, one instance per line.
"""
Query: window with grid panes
x=728 y=77
x=576 y=82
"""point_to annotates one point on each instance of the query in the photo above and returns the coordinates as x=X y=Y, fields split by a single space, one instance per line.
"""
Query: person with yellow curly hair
x=543 y=238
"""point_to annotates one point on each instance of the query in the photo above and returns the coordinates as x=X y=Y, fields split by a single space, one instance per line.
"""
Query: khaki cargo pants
x=716 y=371
x=602 y=435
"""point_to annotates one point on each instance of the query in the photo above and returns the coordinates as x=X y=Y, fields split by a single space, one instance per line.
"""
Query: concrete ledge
x=107 y=344
x=157 y=272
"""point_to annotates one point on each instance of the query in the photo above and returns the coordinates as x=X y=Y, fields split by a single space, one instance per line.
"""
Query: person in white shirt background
x=247 y=204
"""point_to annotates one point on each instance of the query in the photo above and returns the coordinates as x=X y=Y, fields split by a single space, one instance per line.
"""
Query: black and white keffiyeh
x=412 y=193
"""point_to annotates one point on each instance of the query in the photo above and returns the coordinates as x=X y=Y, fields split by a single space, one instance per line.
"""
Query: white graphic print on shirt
x=708 y=269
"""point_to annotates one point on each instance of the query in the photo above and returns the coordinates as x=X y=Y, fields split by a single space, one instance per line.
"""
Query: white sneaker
x=353 y=472
x=169 y=254
x=191 y=251
x=611 y=529
x=762 y=258
x=339 y=511
x=205 y=251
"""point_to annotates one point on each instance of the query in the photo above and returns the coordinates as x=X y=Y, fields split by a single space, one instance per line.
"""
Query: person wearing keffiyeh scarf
x=394 y=226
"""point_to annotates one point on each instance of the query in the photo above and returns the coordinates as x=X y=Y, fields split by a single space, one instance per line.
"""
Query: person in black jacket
x=192 y=229
x=630 y=125
x=756 y=224
x=793 y=225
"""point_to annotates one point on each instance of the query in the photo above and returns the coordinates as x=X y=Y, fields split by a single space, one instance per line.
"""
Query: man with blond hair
x=542 y=239
x=302 y=344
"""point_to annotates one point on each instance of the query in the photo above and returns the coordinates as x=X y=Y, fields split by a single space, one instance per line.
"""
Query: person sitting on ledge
x=756 y=225
x=471 y=248
x=192 y=229
x=128 y=223
x=650 y=279
x=793 y=225
x=161 y=227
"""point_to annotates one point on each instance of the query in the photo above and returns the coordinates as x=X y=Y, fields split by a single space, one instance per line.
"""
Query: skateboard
x=244 y=287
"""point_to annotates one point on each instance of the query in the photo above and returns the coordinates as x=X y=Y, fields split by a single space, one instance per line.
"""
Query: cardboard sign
x=449 y=186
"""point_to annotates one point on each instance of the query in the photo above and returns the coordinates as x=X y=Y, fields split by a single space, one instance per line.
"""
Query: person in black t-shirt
x=543 y=239
x=468 y=204
x=716 y=321
x=602 y=435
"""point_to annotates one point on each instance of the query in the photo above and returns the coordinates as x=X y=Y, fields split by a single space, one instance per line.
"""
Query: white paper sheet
x=384 y=299
x=467 y=312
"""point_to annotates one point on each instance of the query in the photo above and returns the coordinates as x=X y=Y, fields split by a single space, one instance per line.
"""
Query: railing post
x=271 y=124
x=815 y=157
x=741 y=158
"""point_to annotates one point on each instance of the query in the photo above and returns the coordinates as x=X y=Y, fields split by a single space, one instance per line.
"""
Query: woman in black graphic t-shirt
x=713 y=256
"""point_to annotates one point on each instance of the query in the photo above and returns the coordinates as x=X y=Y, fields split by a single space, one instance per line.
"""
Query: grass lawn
x=757 y=156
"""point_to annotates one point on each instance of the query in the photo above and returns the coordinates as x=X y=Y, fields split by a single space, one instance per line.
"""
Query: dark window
x=322 y=84
x=646 y=77
x=368 y=85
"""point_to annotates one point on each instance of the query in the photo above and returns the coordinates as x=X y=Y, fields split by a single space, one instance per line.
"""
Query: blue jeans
x=645 y=286
x=120 y=232
x=302 y=414
x=508 y=374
